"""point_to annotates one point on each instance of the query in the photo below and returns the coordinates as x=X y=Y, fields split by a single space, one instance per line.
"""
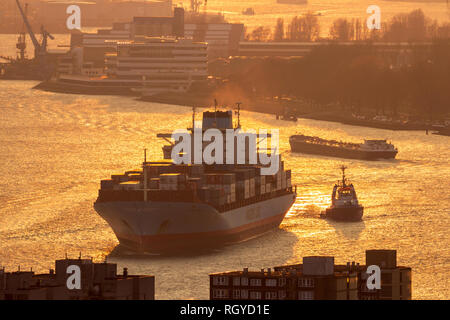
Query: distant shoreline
x=261 y=106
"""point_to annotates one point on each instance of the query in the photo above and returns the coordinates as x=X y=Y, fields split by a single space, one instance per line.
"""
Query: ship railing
x=253 y=200
x=137 y=195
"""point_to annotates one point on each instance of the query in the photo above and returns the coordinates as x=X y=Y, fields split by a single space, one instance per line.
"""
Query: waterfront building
x=99 y=281
x=159 y=61
x=398 y=54
x=159 y=26
x=395 y=280
x=315 y=279
x=146 y=65
x=223 y=38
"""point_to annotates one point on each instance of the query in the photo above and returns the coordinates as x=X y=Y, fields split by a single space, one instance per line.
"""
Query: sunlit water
x=55 y=148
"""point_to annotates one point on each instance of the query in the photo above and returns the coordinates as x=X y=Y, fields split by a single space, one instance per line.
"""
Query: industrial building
x=87 y=56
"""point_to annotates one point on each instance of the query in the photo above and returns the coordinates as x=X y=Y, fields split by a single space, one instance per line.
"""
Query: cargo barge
x=166 y=207
x=369 y=150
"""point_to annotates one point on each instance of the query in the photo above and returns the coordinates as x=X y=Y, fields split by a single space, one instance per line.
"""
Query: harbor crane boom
x=40 y=49
x=36 y=44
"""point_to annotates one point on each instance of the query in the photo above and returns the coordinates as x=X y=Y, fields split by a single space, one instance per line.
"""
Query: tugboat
x=288 y=115
x=344 y=202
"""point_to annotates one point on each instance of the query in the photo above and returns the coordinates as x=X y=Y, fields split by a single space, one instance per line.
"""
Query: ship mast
x=215 y=113
x=21 y=41
x=144 y=171
x=343 y=175
x=193 y=117
x=239 y=114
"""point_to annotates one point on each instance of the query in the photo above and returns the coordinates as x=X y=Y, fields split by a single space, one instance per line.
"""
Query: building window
x=220 y=293
x=236 y=281
x=220 y=281
x=386 y=278
x=282 y=294
x=236 y=294
x=244 y=281
x=244 y=294
x=386 y=291
x=255 y=282
x=281 y=282
x=305 y=295
x=306 y=283
x=255 y=295
x=271 y=282
x=271 y=295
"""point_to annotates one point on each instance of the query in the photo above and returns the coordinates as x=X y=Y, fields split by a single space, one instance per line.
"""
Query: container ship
x=369 y=150
x=166 y=207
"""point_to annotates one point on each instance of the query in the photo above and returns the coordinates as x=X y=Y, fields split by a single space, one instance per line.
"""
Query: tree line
x=413 y=26
x=356 y=78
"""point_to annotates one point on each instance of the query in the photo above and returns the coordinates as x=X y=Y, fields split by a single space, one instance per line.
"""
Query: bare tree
x=306 y=28
x=261 y=34
x=408 y=27
x=342 y=30
x=278 y=34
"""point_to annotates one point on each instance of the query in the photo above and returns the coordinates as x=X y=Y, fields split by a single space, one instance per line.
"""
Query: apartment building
x=315 y=279
x=99 y=281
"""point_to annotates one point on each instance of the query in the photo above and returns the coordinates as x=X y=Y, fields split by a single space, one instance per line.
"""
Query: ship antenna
x=215 y=113
x=239 y=114
x=193 y=117
x=343 y=175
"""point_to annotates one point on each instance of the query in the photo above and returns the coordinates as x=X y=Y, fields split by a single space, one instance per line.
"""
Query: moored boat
x=369 y=150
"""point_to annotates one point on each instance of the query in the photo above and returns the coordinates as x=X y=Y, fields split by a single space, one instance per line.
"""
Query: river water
x=55 y=149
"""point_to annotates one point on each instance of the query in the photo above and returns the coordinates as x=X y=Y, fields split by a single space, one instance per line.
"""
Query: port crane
x=21 y=41
x=41 y=66
x=40 y=49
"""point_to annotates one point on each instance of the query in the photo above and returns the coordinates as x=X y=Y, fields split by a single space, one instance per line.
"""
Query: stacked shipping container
x=215 y=185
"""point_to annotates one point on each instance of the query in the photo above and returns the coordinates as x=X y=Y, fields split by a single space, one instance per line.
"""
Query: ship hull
x=86 y=87
x=344 y=214
x=324 y=150
x=165 y=227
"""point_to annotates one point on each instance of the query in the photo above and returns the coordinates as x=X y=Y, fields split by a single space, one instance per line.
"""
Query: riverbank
x=267 y=106
x=85 y=89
